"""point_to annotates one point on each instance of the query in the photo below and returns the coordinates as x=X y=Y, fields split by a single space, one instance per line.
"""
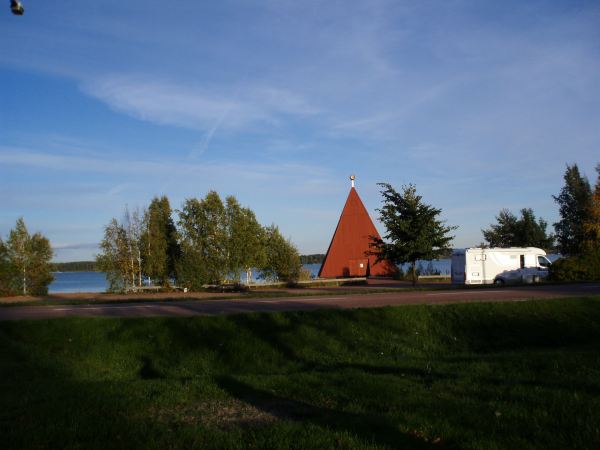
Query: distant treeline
x=317 y=258
x=74 y=266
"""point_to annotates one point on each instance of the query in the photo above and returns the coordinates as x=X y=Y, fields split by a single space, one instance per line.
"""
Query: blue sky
x=480 y=104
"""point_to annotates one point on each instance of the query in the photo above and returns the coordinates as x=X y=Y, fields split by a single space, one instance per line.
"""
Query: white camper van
x=499 y=265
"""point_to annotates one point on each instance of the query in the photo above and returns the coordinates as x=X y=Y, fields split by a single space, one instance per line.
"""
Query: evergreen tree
x=574 y=202
x=159 y=241
x=282 y=260
x=413 y=229
x=245 y=239
x=525 y=231
x=28 y=261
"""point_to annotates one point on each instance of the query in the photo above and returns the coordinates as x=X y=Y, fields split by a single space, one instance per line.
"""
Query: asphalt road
x=237 y=306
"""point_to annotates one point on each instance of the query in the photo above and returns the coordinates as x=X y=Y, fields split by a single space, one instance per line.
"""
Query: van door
x=475 y=267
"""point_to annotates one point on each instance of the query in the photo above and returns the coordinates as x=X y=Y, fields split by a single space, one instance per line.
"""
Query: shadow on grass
x=368 y=427
x=43 y=400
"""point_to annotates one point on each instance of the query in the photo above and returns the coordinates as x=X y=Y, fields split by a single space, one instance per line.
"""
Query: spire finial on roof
x=352 y=178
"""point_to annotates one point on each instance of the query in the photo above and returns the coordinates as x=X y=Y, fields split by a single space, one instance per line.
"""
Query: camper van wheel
x=498 y=282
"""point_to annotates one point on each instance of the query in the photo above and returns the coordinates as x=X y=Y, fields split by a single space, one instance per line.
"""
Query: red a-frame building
x=347 y=255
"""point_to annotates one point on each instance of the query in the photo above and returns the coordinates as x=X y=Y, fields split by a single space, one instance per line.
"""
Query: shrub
x=305 y=275
x=576 y=268
x=399 y=274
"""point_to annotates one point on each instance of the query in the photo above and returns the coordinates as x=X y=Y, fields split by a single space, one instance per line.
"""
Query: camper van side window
x=522 y=257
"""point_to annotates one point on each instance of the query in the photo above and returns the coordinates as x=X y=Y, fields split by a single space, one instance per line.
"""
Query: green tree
x=526 y=231
x=113 y=258
x=121 y=251
x=413 y=230
x=532 y=233
x=282 y=260
x=7 y=274
x=28 y=259
x=203 y=234
x=574 y=202
x=503 y=233
x=132 y=224
x=160 y=248
x=245 y=239
x=591 y=227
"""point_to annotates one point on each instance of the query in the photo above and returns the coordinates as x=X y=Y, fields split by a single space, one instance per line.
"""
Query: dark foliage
x=575 y=201
x=526 y=231
x=316 y=258
x=585 y=267
x=74 y=266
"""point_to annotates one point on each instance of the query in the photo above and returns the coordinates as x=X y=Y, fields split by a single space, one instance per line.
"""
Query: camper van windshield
x=543 y=261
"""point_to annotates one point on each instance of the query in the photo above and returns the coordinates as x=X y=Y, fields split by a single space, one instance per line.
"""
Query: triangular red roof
x=346 y=255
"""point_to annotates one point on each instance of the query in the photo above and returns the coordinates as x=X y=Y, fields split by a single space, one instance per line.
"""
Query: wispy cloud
x=289 y=172
x=188 y=106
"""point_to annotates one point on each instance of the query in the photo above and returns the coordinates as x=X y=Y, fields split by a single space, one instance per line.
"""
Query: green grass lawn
x=486 y=376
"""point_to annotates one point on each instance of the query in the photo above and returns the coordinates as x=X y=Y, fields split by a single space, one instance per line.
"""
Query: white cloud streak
x=169 y=103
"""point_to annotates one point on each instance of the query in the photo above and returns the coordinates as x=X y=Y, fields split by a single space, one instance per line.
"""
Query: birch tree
x=203 y=235
x=28 y=258
x=132 y=224
x=113 y=257
x=245 y=239
x=282 y=260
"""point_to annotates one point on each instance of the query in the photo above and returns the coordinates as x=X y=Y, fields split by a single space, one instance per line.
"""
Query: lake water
x=69 y=282
x=72 y=282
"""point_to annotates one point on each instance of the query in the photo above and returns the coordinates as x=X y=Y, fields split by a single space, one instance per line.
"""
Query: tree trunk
x=413 y=269
x=139 y=258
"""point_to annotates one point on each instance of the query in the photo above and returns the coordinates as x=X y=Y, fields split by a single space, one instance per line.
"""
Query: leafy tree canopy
x=203 y=232
x=26 y=259
x=591 y=226
x=245 y=239
x=282 y=260
x=526 y=231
